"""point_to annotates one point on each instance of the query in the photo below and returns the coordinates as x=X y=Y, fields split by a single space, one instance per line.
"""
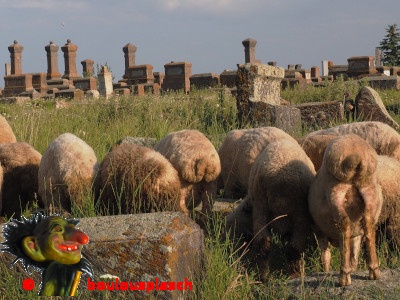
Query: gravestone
x=360 y=66
x=7 y=69
x=85 y=84
x=228 y=78
x=140 y=74
x=205 y=80
x=177 y=76
x=105 y=82
x=16 y=58
x=159 y=78
x=17 y=84
x=88 y=67
x=258 y=98
x=52 y=61
x=369 y=107
x=129 y=55
x=250 y=50
x=70 y=50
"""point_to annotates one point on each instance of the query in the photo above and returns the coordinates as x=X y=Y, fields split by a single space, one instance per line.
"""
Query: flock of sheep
x=339 y=183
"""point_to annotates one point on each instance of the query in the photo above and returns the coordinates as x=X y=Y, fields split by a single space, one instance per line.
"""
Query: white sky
x=207 y=33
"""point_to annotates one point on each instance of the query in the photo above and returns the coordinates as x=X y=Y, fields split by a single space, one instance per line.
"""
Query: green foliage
x=390 y=45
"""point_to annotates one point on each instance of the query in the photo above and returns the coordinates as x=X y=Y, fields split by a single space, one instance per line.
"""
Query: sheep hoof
x=374 y=274
x=344 y=279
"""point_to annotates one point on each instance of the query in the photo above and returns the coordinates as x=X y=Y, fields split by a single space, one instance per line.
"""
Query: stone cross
x=105 y=82
x=16 y=58
x=88 y=68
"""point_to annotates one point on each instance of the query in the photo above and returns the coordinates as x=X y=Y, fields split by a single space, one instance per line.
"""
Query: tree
x=390 y=46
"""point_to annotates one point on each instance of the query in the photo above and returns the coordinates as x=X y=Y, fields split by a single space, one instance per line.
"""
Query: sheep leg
x=372 y=258
x=355 y=251
x=300 y=231
x=262 y=243
x=325 y=252
x=208 y=194
x=345 y=249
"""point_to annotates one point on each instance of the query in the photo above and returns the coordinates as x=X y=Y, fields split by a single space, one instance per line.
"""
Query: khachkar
x=69 y=50
x=52 y=61
x=16 y=83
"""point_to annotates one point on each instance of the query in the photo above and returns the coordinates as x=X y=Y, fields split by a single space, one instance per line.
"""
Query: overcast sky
x=207 y=33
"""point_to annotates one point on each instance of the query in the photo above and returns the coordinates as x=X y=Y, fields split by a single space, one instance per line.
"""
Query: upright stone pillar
x=88 y=67
x=129 y=54
x=69 y=50
x=52 y=61
x=258 y=98
x=16 y=58
x=105 y=82
x=7 y=69
x=249 y=50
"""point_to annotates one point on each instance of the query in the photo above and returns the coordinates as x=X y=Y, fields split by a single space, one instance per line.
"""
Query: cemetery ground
x=101 y=123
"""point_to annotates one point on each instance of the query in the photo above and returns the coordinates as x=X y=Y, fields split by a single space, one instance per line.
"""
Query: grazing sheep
x=345 y=201
x=383 y=138
x=388 y=178
x=238 y=153
x=19 y=188
x=134 y=178
x=315 y=145
x=66 y=172
x=6 y=132
x=278 y=187
x=198 y=165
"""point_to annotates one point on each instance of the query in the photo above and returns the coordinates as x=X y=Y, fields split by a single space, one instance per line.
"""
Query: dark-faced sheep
x=383 y=138
x=198 y=165
x=278 y=187
x=345 y=201
x=19 y=189
x=134 y=178
x=6 y=132
x=238 y=152
x=66 y=172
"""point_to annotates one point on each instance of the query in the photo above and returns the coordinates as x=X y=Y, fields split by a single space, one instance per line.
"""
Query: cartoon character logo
x=50 y=245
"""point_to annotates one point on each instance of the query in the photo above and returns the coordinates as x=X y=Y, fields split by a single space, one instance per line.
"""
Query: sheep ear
x=32 y=249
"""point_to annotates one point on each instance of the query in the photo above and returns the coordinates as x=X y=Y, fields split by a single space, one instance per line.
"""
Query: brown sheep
x=383 y=138
x=238 y=152
x=278 y=187
x=20 y=164
x=6 y=132
x=315 y=145
x=198 y=165
x=66 y=172
x=388 y=178
x=134 y=178
x=345 y=201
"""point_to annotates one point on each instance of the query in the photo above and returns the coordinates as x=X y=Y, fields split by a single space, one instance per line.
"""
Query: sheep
x=134 y=178
x=345 y=201
x=238 y=152
x=6 y=132
x=388 y=172
x=315 y=145
x=19 y=188
x=383 y=138
x=278 y=187
x=194 y=157
x=66 y=172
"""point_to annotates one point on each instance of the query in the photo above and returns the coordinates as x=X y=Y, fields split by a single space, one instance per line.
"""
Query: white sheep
x=198 y=165
x=345 y=201
x=278 y=188
x=238 y=152
x=66 y=172
x=383 y=138
x=6 y=132
x=19 y=188
x=134 y=178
